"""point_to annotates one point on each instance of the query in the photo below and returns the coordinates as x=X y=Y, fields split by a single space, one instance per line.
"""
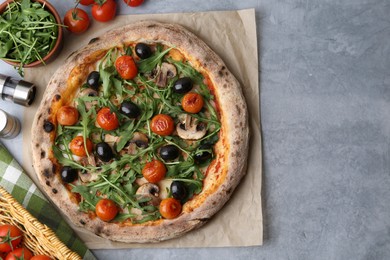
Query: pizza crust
x=231 y=150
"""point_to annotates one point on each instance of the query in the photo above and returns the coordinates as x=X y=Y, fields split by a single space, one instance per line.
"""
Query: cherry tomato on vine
x=19 y=253
x=67 y=115
x=87 y=2
x=41 y=257
x=76 y=146
x=9 y=235
x=76 y=20
x=133 y=3
x=104 y=12
x=107 y=119
x=170 y=208
x=126 y=67
x=192 y=102
x=106 y=209
x=162 y=124
x=154 y=171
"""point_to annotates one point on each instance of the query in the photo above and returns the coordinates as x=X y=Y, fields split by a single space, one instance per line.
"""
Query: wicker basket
x=39 y=238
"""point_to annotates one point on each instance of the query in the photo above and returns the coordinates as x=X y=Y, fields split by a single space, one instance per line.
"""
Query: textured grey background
x=325 y=113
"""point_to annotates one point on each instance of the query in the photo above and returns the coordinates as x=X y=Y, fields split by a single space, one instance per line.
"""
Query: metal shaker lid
x=24 y=93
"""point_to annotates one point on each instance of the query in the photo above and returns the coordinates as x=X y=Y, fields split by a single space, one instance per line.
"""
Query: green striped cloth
x=21 y=187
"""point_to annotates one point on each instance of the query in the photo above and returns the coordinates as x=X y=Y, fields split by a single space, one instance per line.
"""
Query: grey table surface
x=325 y=115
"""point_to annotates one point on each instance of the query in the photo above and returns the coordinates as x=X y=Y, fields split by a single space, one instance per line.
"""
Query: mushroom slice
x=190 y=129
x=167 y=71
x=149 y=191
x=88 y=176
x=90 y=93
x=140 y=139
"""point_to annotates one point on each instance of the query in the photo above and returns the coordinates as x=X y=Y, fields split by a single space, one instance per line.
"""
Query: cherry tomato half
x=76 y=20
x=87 y=2
x=107 y=119
x=170 y=208
x=67 y=115
x=104 y=12
x=192 y=102
x=106 y=209
x=9 y=235
x=76 y=146
x=19 y=253
x=162 y=124
x=41 y=257
x=154 y=171
x=126 y=67
x=133 y=3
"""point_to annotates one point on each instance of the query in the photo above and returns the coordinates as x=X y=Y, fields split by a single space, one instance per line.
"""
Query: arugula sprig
x=147 y=65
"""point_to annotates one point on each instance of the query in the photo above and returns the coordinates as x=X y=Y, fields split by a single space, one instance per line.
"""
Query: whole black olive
x=143 y=50
x=93 y=79
x=202 y=156
x=68 y=174
x=169 y=152
x=104 y=152
x=183 y=85
x=48 y=126
x=179 y=190
x=130 y=109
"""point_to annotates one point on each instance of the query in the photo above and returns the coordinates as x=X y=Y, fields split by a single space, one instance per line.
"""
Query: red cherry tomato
x=67 y=115
x=76 y=146
x=19 y=253
x=76 y=20
x=104 y=12
x=9 y=235
x=87 y=2
x=170 y=208
x=107 y=119
x=162 y=124
x=192 y=102
x=154 y=171
x=41 y=257
x=106 y=209
x=133 y=3
x=126 y=67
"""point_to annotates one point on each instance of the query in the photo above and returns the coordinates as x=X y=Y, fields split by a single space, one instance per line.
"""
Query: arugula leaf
x=125 y=136
x=150 y=217
x=89 y=198
x=124 y=216
x=68 y=162
x=188 y=71
x=105 y=75
x=147 y=65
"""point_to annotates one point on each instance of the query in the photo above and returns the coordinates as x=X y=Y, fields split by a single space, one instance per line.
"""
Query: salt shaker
x=9 y=125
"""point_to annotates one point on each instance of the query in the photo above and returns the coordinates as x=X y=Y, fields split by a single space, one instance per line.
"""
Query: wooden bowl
x=58 y=45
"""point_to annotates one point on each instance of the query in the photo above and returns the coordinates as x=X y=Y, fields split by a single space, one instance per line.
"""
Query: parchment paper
x=232 y=34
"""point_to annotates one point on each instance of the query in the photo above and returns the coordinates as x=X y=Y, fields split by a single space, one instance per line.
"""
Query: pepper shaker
x=18 y=91
x=9 y=125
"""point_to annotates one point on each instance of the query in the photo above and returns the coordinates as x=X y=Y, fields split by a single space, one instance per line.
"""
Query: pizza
x=142 y=135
